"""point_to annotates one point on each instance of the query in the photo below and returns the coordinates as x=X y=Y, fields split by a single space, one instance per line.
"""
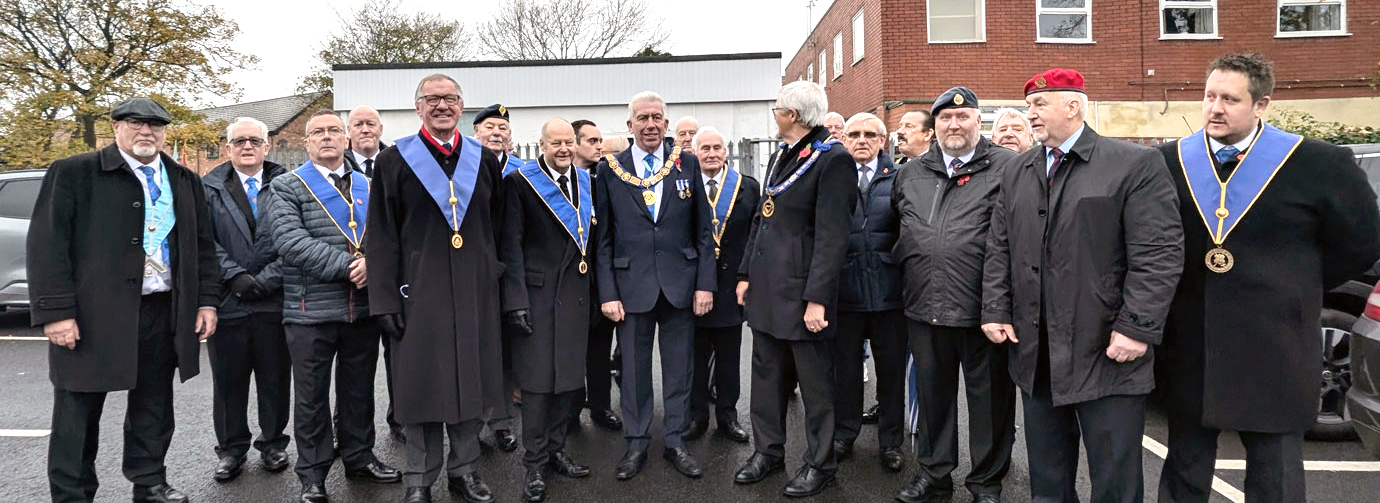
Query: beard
x=144 y=150
x=957 y=146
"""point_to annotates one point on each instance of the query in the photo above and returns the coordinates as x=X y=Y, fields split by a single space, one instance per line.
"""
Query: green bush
x=1336 y=133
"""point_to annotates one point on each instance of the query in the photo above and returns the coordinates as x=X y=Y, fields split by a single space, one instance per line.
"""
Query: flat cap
x=143 y=109
x=955 y=97
x=494 y=110
x=1055 y=79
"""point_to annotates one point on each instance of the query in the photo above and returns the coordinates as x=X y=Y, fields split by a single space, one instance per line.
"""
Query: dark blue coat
x=244 y=244
x=732 y=246
x=871 y=280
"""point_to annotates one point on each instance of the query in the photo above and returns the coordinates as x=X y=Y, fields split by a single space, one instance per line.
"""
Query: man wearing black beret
x=491 y=128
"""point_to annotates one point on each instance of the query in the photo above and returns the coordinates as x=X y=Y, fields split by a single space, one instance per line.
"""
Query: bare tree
x=381 y=32
x=572 y=29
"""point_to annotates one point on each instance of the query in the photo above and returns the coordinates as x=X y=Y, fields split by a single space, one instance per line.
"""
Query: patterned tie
x=954 y=165
x=862 y=177
x=154 y=192
x=562 y=181
x=1226 y=153
x=651 y=166
x=1058 y=156
x=253 y=192
x=713 y=189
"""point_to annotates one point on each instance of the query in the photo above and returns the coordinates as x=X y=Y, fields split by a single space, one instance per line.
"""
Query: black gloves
x=392 y=325
x=519 y=321
x=245 y=287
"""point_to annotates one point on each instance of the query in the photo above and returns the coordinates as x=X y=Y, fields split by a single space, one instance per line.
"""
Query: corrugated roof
x=275 y=113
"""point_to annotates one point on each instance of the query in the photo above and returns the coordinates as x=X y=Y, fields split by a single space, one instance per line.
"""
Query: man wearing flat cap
x=113 y=232
x=491 y=128
x=944 y=202
x=1083 y=255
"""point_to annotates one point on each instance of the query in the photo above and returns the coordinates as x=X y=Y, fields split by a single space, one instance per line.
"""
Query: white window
x=823 y=70
x=809 y=72
x=1311 y=18
x=1063 y=21
x=1188 y=19
x=951 y=21
x=858 y=36
x=838 y=55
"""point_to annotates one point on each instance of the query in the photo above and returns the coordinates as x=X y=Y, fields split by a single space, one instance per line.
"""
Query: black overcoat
x=795 y=256
x=733 y=242
x=448 y=365
x=1241 y=350
x=1101 y=250
x=86 y=261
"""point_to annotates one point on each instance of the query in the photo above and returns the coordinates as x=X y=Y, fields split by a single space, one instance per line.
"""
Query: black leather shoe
x=228 y=468
x=561 y=464
x=842 y=450
x=417 y=495
x=923 y=490
x=683 y=462
x=757 y=468
x=503 y=439
x=987 y=498
x=630 y=465
x=696 y=430
x=809 y=482
x=161 y=493
x=892 y=459
x=732 y=431
x=275 y=460
x=535 y=487
x=376 y=472
x=471 y=488
x=870 y=415
x=606 y=419
x=313 y=493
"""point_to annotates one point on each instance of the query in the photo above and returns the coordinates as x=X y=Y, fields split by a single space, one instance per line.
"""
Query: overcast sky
x=286 y=35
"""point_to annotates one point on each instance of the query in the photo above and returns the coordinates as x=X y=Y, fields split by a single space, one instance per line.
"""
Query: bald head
x=364 y=127
x=558 y=144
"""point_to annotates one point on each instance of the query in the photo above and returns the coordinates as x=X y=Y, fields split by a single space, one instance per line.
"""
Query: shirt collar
x=327 y=172
x=718 y=177
x=360 y=158
x=1241 y=146
x=1068 y=144
x=134 y=164
x=872 y=165
x=258 y=177
x=639 y=155
x=965 y=158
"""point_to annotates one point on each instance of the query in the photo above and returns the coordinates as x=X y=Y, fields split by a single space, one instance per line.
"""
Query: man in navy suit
x=655 y=263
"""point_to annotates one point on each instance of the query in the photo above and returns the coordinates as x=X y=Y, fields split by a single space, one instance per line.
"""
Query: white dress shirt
x=327 y=172
x=637 y=158
x=258 y=180
x=949 y=160
x=870 y=173
x=1241 y=146
x=718 y=180
x=569 y=181
x=161 y=282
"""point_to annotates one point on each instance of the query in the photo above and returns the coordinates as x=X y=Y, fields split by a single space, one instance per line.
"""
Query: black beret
x=494 y=110
x=955 y=97
x=143 y=109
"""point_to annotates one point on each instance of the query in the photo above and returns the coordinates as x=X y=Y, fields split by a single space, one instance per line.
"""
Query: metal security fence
x=289 y=158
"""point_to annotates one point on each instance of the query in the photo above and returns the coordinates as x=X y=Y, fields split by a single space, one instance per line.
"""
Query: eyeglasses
x=871 y=135
x=137 y=124
x=319 y=132
x=433 y=100
x=255 y=142
x=780 y=109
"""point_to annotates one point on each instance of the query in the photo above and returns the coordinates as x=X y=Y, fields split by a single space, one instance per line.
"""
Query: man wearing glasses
x=318 y=215
x=251 y=307
x=433 y=248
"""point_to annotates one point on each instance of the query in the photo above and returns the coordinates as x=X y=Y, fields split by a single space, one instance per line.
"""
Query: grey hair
x=834 y=114
x=1010 y=112
x=1076 y=97
x=691 y=118
x=434 y=77
x=862 y=117
x=230 y=129
x=645 y=96
x=807 y=99
x=695 y=142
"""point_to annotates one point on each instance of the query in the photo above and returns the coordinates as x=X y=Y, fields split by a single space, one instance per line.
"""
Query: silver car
x=18 y=191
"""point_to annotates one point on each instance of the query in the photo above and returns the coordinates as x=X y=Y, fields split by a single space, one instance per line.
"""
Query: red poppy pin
x=805 y=153
x=677 y=163
x=963 y=179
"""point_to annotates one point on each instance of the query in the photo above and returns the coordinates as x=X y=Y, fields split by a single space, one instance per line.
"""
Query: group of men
x=1047 y=263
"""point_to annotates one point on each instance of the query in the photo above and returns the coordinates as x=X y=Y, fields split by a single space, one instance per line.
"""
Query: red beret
x=1057 y=79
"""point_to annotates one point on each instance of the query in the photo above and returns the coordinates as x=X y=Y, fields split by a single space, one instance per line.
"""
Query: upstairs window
x=1188 y=19
x=858 y=37
x=955 y=21
x=1063 y=21
x=1311 y=18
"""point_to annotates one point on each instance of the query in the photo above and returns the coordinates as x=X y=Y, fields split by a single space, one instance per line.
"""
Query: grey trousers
x=425 y=447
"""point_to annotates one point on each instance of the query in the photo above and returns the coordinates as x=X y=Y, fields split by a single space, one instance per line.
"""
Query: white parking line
x=21 y=338
x=24 y=433
x=1311 y=466
x=1221 y=486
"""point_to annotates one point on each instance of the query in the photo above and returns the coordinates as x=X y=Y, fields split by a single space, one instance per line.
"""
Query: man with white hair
x=1084 y=253
x=789 y=286
x=655 y=266
x=1012 y=130
x=833 y=121
x=686 y=127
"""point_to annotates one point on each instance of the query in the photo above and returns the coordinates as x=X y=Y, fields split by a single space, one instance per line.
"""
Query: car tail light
x=1373 y=304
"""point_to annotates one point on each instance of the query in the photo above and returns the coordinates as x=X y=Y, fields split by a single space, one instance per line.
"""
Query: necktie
x=1058 y=156
x=862 y=177
x=369 y=168
x=154 y=192
x=651 y=166
x=1226 y=153
x=252 y=190
x=341 y=183
x=954 y=165
x=713 y=189
x=562 y=181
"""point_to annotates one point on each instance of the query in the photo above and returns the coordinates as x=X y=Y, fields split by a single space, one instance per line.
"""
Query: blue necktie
x=1226 y=153
x=253 y=192
x=651 y=167
x=154 y=192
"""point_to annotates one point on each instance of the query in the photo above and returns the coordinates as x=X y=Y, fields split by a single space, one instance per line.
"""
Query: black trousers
x=1274 y=464
x=148 y=417
x=677 y=346
x=940 y=353
x=255 y=345
x=426 y=449
x=887 y=331
x=777 y=365
x=544 y=417
x=1111 y=429
x=723 y=345
x=597 y=365
x=393 y=424
x=314 y=349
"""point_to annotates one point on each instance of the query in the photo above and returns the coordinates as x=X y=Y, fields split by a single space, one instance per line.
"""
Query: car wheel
x=1333 y=424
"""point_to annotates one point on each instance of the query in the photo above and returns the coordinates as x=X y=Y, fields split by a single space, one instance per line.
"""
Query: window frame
x=1085 y=10
x=810 y=71
x=859 y=36
x=981 y=18
x=823 y=67
x=1193 y=4
x=1340 y=32
x=838 y=55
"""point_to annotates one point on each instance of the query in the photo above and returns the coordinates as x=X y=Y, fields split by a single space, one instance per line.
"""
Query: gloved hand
x=519 y=321
x=245 y=287
x=392 y=325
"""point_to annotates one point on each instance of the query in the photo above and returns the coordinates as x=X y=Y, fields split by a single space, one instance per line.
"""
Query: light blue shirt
x=1064 y=147
x=640 y=162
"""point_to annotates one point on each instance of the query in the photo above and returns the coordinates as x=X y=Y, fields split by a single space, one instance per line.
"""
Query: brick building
x=285 y=117
x=1144 y=60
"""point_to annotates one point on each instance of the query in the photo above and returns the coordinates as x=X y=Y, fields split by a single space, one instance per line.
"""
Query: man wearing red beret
x=1084 y=252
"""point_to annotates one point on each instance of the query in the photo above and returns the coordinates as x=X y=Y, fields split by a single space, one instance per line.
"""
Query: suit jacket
x=639 y=259
x=86 y=261
x=356 y=166
x=732 y=246
x=244 y=243
x=795 y=256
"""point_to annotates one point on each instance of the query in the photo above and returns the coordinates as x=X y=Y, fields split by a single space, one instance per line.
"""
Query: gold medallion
x=584 y=266
x=1040 y=82
x=648 y=197
x=1222 y=213
x=716 y=252
x=1219 y=260
x=353 y=224
x=768 y=207
x=456 y=241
